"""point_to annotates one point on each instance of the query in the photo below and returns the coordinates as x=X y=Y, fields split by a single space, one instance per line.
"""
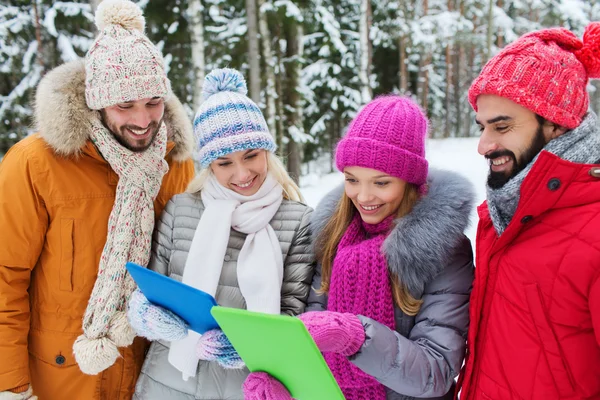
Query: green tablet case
x=281 y=346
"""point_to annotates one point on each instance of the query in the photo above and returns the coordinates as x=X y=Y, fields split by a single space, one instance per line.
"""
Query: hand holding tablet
x=191 y=304
x=281 y=346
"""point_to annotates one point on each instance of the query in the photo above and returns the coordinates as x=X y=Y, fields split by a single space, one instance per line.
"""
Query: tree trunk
x=403 y=78
x=279 y=117
x=469 y=78
x=466 y=60
x=38 y=35
x=271 y=95
x=448 y=122
x=458 y=74
x=490 y=30
x=196 y=27
x=294 y=164
x=403 y=44
x=94 y=4
x=500 y=37
x=458 y=87
x=279 y=71
x=253 y=53
x=423 y=90
x=332 y=143
x=365 y=51
x=293 y=106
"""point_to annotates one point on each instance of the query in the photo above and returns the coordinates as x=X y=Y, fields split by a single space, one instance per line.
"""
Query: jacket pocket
x=550 y=346
x=65 y=274
x=54 y=348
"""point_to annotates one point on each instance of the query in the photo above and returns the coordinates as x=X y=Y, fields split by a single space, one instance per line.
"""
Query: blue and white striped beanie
x=227 y=120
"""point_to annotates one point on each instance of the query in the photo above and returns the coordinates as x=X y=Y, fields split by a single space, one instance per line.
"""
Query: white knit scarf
x=259 y=264
x=130 y=227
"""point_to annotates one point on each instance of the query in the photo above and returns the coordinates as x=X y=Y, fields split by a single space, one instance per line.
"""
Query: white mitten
x=28 y=395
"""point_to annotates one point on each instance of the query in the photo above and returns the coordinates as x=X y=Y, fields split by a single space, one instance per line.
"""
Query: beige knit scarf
x=130 y=226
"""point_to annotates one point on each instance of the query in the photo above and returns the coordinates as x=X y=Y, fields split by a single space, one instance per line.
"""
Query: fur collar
x=63 y=118
x=421 y=242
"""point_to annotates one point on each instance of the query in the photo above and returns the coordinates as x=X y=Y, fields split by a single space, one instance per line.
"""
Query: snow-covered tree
x=35 y=37
x=315 y=62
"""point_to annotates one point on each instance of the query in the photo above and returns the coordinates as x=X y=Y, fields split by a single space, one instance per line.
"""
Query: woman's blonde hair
x=291 y=191
x=329 y=239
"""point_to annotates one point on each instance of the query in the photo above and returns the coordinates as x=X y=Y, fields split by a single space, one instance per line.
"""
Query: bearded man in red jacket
x=535 y=305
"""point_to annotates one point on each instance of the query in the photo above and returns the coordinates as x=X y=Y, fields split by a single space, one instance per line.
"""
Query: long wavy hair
x=328 y=240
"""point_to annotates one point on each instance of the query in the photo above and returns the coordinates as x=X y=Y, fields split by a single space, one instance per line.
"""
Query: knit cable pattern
x=122 y=64
x=545 y=71
x=387 y=135
x=360 y=285
x=228 y=121
x=130 y=227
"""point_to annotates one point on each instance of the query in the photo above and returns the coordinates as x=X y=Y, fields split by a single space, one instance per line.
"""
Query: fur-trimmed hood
x=422 y=242
x=63 y=118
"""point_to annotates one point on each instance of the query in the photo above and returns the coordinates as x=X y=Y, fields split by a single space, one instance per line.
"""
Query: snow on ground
x=456 y=154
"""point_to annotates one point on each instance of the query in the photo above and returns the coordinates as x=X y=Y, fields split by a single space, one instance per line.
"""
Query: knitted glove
x=335 y=332
x=152 y=321
x=214 y=346
x=27 y=395
x=262 y=386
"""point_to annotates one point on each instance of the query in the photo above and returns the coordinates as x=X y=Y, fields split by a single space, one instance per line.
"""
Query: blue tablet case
x=191 y=304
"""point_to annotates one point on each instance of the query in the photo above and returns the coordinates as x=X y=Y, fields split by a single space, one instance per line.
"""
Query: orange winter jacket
x=56 y=195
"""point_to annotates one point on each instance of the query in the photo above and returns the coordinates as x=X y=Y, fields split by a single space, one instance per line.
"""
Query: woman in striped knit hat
x=240 y=233
x=389 y=306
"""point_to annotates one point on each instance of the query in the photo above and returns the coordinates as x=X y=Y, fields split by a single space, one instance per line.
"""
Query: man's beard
x=496 y=180
x=121 y=136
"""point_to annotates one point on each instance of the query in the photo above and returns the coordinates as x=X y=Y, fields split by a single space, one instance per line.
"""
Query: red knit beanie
x=546 y=71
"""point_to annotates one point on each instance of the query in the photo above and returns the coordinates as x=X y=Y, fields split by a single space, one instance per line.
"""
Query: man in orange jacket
x=78 y=200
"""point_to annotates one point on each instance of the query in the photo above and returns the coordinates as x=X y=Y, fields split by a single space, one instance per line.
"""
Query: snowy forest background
x=310 y=64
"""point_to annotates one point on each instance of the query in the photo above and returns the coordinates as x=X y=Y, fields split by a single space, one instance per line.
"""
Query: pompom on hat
x=387 y=135
x=122 y=64
x=227 y=120
x=547 y=72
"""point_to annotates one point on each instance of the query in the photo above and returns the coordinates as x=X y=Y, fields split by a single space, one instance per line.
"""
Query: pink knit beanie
x=546 y=71
x=387 y=135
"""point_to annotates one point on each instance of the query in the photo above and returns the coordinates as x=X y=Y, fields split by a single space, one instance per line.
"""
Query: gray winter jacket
x=159 y=380
x=430 y=254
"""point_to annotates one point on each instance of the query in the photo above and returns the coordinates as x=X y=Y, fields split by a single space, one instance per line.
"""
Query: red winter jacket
x=535 y=305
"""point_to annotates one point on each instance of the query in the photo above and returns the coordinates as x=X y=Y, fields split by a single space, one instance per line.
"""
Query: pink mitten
x=262 y=386
x=335 y=332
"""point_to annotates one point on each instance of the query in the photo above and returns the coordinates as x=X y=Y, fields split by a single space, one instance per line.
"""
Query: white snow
x=173 y=27
x=456 y=154
x=574 y=12
x=291 y=9
x=29 y=54
x=66 y=48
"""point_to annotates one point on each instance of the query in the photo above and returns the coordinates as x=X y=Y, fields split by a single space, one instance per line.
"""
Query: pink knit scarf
x=360 y=285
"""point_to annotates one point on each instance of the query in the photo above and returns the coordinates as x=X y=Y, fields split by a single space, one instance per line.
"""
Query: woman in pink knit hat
x=389 y=306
